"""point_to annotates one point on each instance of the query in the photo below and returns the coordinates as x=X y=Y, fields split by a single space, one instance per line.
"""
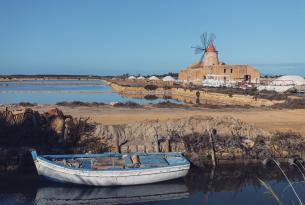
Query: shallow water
x=220 y=186
x=53 y=91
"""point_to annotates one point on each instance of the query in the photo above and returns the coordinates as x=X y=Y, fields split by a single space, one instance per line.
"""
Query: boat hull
x=108 y=177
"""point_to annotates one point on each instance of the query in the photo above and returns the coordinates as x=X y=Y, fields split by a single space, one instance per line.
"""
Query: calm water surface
x=53 y=91
x=236 y=186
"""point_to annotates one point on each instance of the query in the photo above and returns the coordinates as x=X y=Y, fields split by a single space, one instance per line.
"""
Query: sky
x=111 y=37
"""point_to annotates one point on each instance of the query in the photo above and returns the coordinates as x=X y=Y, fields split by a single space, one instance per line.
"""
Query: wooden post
x=156 y=144
x=167 y=146
x=212 y=133
x=115 y=144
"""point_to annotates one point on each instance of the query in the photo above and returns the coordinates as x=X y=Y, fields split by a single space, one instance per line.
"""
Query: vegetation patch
x=291 y=104
x=150 y=97
x=128 y=104
x=27 y=104
x=79 y=103
x=150 y=87
x=168 y=104
x=219 y=106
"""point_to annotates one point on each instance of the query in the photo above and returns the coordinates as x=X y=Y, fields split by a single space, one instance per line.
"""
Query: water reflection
x=232 y=179
x=238 y=185
x=171 y=98
x=111 y=195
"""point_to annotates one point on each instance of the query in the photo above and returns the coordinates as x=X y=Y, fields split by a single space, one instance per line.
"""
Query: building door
x=247 y=78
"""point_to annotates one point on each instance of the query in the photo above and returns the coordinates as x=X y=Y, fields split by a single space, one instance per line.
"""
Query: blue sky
x=144 y=37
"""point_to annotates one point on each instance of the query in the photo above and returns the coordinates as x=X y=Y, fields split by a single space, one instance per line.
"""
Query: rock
x=180 y=147
x=227 y=156
x=270 y=162
x=30 y=118
x=57 y=125
x=165 y=146
x=115 y=149
x=124 y=149
x=55 y=112
x=146 y=132
x=68 y=127
x=133 y=148
x=238 y=152
x=26 y=117
x=115 y=144
x=141 y=148
x=247 y=143
x=234 y=138
x=149 y=148
x=284 y=153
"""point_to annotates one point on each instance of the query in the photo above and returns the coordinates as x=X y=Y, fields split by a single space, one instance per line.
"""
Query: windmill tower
x=209 y=53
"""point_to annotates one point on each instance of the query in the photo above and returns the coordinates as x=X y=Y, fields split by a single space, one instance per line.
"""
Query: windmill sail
x=206 y=41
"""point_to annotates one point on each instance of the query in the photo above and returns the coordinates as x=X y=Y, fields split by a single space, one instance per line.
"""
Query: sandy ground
x=271 y=120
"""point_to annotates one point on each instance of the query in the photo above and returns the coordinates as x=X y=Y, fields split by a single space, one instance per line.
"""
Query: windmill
x=207 y=42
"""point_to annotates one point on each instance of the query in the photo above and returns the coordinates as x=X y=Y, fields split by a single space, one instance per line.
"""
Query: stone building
x=211 y=68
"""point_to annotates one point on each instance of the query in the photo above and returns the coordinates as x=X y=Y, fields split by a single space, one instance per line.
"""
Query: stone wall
x=219 y=98
x=233 y=140
x=191 y=96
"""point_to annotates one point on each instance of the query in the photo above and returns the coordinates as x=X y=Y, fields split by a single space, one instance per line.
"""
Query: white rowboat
x=111 y=169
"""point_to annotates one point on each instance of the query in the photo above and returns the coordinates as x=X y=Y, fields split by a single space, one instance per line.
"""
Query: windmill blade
x=203 y=38
x=212 y=38
x=198 y=49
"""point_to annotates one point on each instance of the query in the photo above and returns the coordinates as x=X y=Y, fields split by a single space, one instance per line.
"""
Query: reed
x=270 y=190
x=290 y=184
x=299 y=169
x=302 y=166
x=288 y=180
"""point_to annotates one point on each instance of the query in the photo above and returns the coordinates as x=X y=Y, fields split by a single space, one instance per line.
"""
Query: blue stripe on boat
x=148 y=159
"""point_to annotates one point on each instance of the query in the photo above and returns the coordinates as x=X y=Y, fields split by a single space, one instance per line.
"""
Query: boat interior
x=118 y=161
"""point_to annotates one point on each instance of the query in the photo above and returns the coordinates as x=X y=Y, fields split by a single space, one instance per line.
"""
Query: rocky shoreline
x=204 y=140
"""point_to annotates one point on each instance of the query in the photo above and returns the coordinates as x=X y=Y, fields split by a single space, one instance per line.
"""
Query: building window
x=231 y=70
x=224 y=70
